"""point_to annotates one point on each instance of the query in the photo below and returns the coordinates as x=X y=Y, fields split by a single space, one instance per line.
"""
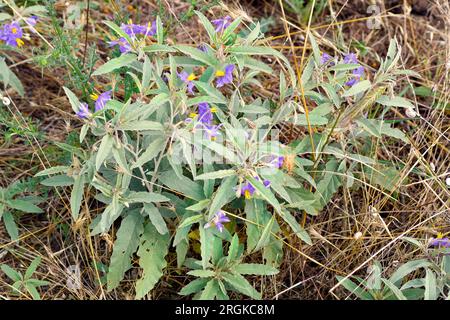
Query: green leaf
x=329 y=184
x=125 y=245
x=229 y=30
x=142 y=126
x=407 y=268
x=395 y=102
x=315 y=47
x=32 y=268
x=52 y=170
x=354 y=288
x=74 y=102
x=202 y=273
x=431 y=292
x=207 y=25
x=396 y=291
x=199 y=206
x=205 y=244
x=240 y=284
x=372 y=127
x=24 y=206
x=159 y=31
x=183 y=185
x=116 y=63
x=299 y=231
x=153 y=248
x=265 y=236
x=193 y=286
x=216 y=174
x=76 y=196
x=10 y=225
x=211 y=91
x=223 y=195
x=32 y=291
x=11 y=273
x=61 y=180
x=234 y=249
x=255 y=269
x=4 y=16
x=156 y=218
x=191 y=220
x=357 y=88
x=145 y=197
x=210 y=290
x=198 y=55
x=104 y=150
x=150 y=152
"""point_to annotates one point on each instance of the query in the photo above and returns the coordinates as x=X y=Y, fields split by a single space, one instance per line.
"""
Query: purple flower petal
x=102 y=99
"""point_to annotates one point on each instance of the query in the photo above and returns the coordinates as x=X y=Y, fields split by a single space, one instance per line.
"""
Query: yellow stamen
x=19 y=42
x=213 y=138
x=440 y=235
x=191 y=77
x=220 y=73
x=130 y=21
x=14 y=30
x=247 y=194
x=192 y=115
x=94 y=96
x=213 y=109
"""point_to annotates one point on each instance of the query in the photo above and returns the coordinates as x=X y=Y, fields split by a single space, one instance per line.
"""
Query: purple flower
x=32 y=20
x=132 y=29
x=187 y=78
x=350 y=58
x=221 y=24
x=83 y=111
x=357 y=75
x=248 y=190
x=205 y=113
x=218 y=220
x=101 y=100
x=224 y=77
x=124 y=46
x=149 y=29
x=325 y=57
x=203 y=47
x=212 y=131
x=440 y=242
x=12 y=34
x=276 y=162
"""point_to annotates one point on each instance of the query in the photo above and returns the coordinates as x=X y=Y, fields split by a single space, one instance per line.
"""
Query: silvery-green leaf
x=357 y=88
x=116 y=63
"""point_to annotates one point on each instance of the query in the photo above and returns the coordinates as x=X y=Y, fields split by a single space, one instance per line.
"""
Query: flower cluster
x=133 y=30
x=12 y=34
x=357 y=73
x=205 y=118
x=349 y=58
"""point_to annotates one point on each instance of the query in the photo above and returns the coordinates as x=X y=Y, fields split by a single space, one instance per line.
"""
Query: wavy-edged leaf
x=125 y=245
x=152 y=251
x=240 y=284
x=255 y=269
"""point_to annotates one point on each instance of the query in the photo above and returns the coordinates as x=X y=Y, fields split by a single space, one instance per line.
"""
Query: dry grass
x=419 y=208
